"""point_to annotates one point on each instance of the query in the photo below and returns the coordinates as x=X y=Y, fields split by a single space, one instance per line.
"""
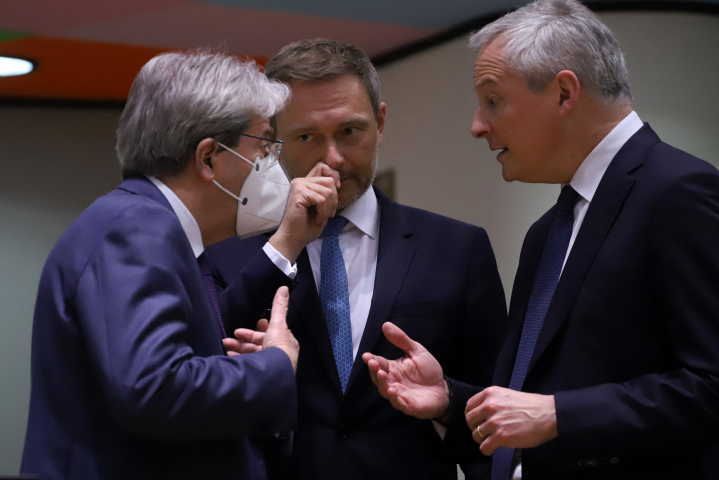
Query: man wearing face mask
x=129 y=376
x=376 y=261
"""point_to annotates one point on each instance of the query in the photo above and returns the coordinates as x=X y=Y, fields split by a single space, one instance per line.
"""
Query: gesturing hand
x=277 y=334
x=246 y=340
x=414 y=384
x=312 y=201
x=508 y=418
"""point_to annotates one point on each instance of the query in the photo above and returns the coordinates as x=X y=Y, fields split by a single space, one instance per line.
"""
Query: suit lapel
x=307 y=303
x=394 y=256
x=608 y=200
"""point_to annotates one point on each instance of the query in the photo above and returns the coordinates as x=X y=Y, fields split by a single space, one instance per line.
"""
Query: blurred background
x=57 y=123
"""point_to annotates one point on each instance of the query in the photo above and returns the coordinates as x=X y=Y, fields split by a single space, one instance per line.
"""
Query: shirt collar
x=188 y=222
x=587 y=177
x=364 y=213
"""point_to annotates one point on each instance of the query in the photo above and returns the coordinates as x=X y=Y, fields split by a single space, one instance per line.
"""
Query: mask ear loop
x=242 y=201
x=237 y=154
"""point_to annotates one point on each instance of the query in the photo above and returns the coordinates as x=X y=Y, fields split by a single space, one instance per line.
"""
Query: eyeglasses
x=271 y=148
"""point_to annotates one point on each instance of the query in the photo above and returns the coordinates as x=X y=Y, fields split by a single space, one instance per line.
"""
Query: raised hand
x=500 y=417
x=312 y=201
x=414 y=384
x=246 y=340
x=278 y=334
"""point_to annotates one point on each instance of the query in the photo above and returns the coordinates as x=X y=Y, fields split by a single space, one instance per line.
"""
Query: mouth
x=503 y=150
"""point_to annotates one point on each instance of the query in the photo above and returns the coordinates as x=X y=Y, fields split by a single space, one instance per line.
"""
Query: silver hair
x=179 y=99
x=547 y=36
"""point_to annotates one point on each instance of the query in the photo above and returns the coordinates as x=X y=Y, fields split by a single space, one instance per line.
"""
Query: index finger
x=476 y=400
x=321 y=169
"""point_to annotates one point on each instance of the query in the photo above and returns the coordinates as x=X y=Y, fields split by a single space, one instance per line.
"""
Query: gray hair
x=548 y=36
x=320 y=59
x=179 y=99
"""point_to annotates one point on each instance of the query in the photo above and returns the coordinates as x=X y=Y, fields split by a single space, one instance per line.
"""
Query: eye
x=492 y=102
x=304 y=137
x=349 y=131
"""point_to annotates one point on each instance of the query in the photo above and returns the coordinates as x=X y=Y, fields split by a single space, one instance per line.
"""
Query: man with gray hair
x=611 y=366
x=376 y=261
x=129 y=376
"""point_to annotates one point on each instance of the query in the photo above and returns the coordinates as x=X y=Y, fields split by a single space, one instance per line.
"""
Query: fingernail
x=284 y=292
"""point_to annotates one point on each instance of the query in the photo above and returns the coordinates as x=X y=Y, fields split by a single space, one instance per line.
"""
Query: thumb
x=278 y=317
x=400 y=339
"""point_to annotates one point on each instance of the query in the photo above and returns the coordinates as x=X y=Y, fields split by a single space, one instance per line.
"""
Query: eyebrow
x=362 y=121
x=486 y=81
x=356 y=120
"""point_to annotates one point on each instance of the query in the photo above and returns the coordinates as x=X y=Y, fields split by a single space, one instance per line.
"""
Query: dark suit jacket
x=437 y=279
x=129 y=377
x=630 y=343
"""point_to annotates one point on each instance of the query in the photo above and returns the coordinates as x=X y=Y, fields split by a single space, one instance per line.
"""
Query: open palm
x=413 y=384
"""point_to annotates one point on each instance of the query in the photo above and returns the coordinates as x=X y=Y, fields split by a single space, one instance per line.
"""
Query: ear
x=569 y=89
x=380 y=121
x=205 y=156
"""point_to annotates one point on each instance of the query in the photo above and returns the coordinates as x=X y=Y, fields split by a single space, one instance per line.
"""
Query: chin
x=508 y=175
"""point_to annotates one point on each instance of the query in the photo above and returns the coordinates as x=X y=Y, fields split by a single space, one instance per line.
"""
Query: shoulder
x=671 y=177
x=425 y=221
x=667 y=164
x=121 y=219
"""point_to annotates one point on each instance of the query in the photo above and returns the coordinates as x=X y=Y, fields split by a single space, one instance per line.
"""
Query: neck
x=586 y=129
x=207 y=206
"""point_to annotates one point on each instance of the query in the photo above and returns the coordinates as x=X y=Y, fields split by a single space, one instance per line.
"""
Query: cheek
x=299 y=160
x=361 y=155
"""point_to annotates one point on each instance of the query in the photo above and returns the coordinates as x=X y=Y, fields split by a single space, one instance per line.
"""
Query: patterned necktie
x=335 y=298
x=210 y=285
x=550 y=268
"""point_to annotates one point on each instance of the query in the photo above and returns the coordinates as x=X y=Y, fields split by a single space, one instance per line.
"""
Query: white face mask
x=263 y=197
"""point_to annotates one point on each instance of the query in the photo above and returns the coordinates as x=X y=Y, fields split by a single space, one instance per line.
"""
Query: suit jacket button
x=583 y=463
x=342 y=432
x=614 y=460
x=593 y=462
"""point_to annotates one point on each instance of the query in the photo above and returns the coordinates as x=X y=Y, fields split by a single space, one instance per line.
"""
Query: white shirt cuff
x=280 y=261
x=441 y=429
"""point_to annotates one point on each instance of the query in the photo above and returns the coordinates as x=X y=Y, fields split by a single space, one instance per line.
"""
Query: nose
x=480 y=128
x=335 y=159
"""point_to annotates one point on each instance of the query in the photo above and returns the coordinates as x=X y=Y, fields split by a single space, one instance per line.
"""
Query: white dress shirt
x=587 y=177
x=188 y=222
x=194 y=235
x=358 y=243
x=586 y=180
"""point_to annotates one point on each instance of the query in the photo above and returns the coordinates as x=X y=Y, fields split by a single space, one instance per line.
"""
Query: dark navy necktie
x=334 y=295
x=210 y=285
x=550 y=268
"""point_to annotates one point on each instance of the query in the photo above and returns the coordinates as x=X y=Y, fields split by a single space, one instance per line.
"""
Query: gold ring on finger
x=479 y=433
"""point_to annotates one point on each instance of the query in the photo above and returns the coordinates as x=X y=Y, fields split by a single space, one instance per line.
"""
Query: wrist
x=446 y=412
x=286 y=247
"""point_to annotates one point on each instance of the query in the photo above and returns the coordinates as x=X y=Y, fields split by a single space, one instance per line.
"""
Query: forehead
x=490 y=66
x=345 y=93
x=259 y=126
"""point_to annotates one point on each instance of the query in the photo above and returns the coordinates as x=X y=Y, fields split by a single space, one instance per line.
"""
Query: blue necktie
x=335 y=298
x=550 y=268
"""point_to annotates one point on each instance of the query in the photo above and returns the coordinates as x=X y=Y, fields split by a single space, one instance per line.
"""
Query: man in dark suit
x=611 y=365
x=435 y=276
x=129 y=377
